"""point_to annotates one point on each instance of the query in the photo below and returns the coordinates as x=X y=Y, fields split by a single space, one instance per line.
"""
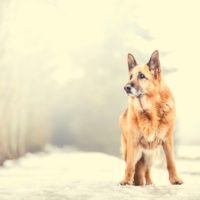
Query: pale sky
x=60 y=28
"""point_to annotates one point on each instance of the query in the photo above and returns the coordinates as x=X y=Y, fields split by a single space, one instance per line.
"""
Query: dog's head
x=143 y=79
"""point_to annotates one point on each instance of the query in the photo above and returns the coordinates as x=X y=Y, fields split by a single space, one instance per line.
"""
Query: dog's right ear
x=154 y=64
x=131 y=62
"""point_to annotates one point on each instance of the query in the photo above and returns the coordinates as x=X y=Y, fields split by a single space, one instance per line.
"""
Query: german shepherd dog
x=147 y=123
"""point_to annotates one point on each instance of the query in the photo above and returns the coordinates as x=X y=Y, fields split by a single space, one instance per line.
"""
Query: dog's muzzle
x=132 y=91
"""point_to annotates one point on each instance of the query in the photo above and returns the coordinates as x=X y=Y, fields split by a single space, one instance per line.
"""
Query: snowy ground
x=60 y=174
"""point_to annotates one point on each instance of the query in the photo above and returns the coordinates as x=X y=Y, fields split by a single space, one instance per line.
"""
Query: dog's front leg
x=132 y=151
x=169 y=153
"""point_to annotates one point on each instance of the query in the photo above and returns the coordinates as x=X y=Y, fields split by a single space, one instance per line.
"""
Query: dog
x=147 y=123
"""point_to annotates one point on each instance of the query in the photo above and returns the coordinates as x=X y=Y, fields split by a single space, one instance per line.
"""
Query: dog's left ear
x=154 y=64
x=131 y=62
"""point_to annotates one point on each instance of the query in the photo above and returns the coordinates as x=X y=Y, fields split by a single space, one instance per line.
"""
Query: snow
x=61 y=174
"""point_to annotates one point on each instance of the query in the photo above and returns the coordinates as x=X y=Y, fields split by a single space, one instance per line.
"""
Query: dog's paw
x=125 y=182
x=149 y=182
x=175 y=180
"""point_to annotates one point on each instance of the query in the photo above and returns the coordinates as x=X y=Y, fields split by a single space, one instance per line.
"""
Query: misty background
x=63 y=65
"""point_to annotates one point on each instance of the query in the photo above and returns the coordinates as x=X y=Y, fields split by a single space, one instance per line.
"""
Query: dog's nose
x=127 y=88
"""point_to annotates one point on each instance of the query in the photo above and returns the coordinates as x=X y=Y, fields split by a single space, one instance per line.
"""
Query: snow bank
x=61 y=174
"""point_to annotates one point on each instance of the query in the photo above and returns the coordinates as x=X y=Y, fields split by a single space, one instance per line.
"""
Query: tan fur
x=147 y=123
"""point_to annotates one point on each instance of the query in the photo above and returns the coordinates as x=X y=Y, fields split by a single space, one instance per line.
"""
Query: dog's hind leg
x=143 y=171
x=148 y=177
x=139 y=177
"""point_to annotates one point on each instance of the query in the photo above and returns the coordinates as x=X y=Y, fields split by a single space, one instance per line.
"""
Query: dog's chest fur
x=150 y=120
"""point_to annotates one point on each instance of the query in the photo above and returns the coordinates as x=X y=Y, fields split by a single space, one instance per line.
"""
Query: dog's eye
x=131 y=76
x=141 y=76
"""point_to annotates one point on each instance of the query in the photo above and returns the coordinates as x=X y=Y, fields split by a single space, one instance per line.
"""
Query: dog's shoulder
x=166 y=95
x=167 y=104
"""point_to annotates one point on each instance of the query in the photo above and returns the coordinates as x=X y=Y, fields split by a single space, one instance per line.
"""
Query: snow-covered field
x=61 y=174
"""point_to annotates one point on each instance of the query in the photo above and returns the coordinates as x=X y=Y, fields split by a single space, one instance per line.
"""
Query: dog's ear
x=131 y=62
x=154 y=64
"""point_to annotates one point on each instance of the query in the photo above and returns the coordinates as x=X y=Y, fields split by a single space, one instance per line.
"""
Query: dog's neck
x=145 y=106
x=143 y=103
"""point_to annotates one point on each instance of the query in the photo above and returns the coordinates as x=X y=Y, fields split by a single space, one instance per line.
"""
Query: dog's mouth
x=131 y=91
x=135 y=94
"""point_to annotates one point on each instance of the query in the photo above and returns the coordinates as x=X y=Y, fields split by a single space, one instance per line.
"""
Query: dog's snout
x=127 y=88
